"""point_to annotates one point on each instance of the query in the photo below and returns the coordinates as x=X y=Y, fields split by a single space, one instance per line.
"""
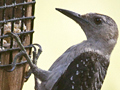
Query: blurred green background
x=56 y=32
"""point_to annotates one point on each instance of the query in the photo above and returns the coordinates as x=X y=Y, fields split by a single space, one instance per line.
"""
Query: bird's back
x=85 y=72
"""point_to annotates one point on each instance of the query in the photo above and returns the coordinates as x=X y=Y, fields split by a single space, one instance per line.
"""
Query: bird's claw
x=36 y=54
x=13 y=65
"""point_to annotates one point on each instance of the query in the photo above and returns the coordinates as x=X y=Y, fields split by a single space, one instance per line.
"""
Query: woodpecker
x=82 y=66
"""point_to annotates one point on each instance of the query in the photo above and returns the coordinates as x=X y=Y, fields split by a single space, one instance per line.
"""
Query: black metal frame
x=23 y=4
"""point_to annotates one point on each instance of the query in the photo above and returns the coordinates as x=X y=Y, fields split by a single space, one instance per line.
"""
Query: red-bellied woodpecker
x=82 y=66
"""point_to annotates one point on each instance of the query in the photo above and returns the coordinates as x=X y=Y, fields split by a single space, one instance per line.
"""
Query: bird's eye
x=97 y=20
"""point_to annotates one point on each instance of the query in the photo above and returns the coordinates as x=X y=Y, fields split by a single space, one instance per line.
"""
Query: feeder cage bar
x=16 y=16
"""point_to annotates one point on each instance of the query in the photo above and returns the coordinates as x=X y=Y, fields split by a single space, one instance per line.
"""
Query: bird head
x=99 y=28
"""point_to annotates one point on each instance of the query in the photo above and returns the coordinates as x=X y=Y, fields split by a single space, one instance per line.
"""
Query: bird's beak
x=75 y=16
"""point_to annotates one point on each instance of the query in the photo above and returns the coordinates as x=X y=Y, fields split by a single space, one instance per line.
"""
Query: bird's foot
x=36 y=54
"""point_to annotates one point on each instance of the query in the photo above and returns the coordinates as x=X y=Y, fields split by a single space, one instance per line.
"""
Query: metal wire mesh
x=14 y=14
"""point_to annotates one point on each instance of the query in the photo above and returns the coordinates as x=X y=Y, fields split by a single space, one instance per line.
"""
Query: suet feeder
x=16 y=16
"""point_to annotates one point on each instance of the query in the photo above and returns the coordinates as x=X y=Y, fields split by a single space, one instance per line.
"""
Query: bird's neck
x=104 y=46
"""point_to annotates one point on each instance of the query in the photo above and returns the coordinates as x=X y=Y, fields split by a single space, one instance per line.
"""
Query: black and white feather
x=86 y=72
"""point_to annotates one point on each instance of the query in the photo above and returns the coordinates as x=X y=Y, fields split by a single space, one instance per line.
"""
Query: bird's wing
x=86 y=72
x=69 y=53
